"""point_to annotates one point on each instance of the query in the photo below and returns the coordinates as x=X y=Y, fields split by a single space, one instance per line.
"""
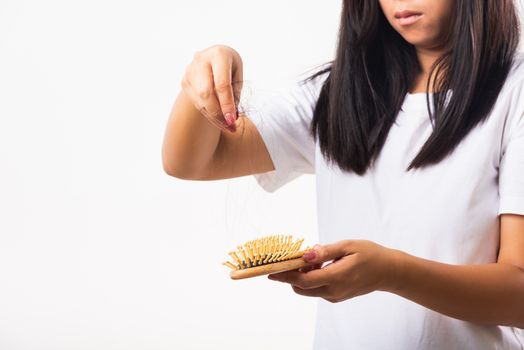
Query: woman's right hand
x=213 y=83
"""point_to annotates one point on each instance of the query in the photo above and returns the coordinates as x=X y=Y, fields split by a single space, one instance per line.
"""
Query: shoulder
x=297 y=93
x=511 y=96
x=511 y=99
x=518 y=61
x=516 y=72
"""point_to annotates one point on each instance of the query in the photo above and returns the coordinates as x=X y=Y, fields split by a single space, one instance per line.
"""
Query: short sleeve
x=283 y=120
x=511 y=169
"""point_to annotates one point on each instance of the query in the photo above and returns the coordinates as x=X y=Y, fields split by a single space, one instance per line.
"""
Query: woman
x=415 y=132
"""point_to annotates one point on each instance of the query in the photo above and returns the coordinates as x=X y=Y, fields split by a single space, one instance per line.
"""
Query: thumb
x=327 y=252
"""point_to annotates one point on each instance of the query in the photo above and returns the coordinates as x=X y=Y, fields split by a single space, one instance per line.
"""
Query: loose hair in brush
x=374 y=68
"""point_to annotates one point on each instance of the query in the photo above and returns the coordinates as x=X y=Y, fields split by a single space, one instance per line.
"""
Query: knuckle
x=237 y=55
x=219 y=50
x=228 y=107
x=322 y=253
x=348 y=244
x=203 y=92
x=222 y=87
x=197 y=55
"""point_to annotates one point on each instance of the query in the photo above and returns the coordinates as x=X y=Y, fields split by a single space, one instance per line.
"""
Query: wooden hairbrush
x=270 y=254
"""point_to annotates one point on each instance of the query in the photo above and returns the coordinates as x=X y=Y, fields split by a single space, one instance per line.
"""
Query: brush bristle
x=265 y=250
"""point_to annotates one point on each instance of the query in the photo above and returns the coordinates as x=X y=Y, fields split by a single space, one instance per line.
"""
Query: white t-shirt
x=447 y=212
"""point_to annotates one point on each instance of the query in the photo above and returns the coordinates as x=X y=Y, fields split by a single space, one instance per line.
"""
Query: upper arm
x=239 y=154
x=511 y=249
x=511 y=181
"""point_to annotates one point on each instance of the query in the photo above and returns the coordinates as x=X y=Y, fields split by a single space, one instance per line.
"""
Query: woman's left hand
x=359 y=267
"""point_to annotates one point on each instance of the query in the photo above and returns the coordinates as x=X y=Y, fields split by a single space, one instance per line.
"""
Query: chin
x=420 y=40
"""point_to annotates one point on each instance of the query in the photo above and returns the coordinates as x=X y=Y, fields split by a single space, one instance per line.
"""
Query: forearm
x=190 y=140
x=489 y=294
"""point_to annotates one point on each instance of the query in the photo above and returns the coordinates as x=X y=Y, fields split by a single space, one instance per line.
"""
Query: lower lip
x=405 y=21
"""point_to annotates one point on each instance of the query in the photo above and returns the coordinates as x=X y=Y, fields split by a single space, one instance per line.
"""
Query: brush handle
x=280 y=266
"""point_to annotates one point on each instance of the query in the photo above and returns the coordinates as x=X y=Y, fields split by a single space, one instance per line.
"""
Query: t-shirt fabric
x=447 y=212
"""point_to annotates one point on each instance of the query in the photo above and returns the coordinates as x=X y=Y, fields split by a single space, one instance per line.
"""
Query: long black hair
x=374 y=68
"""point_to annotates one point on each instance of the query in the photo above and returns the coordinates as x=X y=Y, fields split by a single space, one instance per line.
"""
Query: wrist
x=396 y=270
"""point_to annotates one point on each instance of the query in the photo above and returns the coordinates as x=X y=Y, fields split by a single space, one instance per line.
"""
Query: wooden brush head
x=270 y=254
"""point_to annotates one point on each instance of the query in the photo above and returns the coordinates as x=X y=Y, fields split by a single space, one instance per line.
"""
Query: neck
x=426 y=58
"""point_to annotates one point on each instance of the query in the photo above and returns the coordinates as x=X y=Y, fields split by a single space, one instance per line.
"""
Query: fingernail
x=229 y=119
x=310 y=255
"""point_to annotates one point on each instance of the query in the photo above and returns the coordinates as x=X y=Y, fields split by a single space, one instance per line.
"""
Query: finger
x=203 y=110
x=327 y=252
x=313 y=292
x=308 y=268
x=202 y=87
x=222 y=85
x=312 y=279
x=237 y=82
x=202 y=91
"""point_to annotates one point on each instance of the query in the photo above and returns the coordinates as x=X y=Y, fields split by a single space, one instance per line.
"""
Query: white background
x=99 y=248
